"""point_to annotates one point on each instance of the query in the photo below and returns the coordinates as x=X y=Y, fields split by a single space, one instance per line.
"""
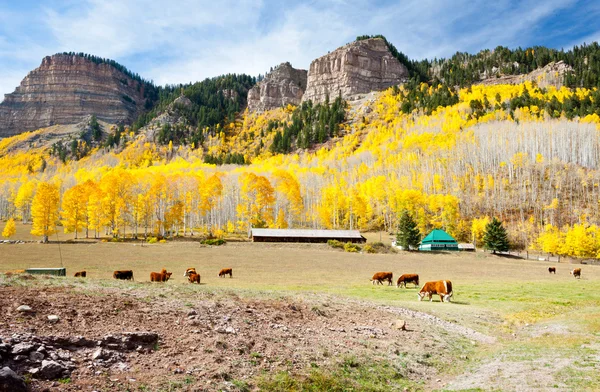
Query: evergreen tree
x=408 y=235
x=96 y=128
x=495 y=237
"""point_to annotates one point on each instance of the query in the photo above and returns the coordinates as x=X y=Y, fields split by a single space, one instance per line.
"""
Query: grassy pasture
x=537 y=317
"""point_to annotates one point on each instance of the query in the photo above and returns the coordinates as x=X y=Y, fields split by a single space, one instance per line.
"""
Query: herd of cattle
x=443 y=288
x=162 y=276
x=575 y=272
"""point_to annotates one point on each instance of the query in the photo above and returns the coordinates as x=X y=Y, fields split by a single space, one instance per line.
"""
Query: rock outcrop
x=282 y=86
x=552 y=74
x=357 y=68
x=67 y=88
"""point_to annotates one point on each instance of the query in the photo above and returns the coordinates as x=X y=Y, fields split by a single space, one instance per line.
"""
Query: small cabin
x=438 y=240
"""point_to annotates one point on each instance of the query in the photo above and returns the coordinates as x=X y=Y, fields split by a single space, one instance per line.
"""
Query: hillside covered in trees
x=452 y=157
x=443 y=166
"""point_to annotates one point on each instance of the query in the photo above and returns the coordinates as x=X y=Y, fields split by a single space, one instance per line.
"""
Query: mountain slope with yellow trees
x=516 y=152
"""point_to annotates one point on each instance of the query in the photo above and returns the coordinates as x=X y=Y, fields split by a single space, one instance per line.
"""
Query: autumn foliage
x=508 y=151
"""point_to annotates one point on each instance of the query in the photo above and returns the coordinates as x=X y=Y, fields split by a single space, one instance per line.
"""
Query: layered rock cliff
x=282 y=86
x=357 y=68
x=67 y=88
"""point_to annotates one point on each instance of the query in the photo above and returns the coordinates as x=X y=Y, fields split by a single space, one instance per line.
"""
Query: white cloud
x=188 y=40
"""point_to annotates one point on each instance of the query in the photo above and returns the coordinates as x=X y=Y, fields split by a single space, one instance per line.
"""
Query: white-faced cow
x=443 y=288
x=576 y=273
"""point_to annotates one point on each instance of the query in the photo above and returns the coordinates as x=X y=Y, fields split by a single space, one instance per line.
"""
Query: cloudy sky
x=189 y=40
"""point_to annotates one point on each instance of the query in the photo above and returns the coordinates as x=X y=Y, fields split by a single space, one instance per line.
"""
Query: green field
x=546 y=325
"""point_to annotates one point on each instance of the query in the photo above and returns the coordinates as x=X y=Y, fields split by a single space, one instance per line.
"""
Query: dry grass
x=504 y=297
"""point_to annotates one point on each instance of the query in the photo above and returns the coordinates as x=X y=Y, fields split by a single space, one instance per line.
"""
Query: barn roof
x=306 y=233
x=437 y=236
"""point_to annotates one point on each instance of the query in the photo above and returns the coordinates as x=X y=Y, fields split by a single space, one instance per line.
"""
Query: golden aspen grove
x=454 y=167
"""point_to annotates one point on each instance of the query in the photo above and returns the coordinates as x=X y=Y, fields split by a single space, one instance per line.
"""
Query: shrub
x=369 y=249
x=163 y=241
x=215 y=242
x=152 y=240
x=335 y=244
x=350 y=247
x=380 y=247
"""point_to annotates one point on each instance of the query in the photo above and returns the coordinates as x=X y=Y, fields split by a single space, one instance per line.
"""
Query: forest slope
x=526 y=155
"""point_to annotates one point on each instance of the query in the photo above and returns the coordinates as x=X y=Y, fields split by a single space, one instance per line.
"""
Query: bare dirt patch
x=209 y=342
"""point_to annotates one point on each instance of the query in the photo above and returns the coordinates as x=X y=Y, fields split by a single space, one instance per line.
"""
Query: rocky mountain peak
x=65 y=89
x=282 y=86
x=357 y=68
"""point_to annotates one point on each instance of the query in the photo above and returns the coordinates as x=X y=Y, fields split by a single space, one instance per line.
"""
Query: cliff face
x=357 y=68
x=64 y=90
x=284 y=85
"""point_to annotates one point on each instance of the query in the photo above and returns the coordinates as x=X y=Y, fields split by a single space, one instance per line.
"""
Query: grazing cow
x=194 y=278
x=441 y=287
x=124 y=275
x=380 y=277
x=552 y=270
x=576 y=273
x=226 y=271
x=80 y=274
x=192 y=275
x=161 y=276
x=408 y=278
x=189 y=271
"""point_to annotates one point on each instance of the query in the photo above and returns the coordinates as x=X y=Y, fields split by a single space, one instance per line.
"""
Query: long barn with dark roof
x=302 y=235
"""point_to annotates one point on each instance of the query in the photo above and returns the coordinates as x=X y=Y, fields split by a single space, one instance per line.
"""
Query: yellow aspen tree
x=96 y=217
x=74 y=209
x=44 y=210
x=478 y=229
x=258 y=196
x=174 y=218
x=281 y=223
x=116 y=186
x=24 y=198
x=211 y=192
x=10 y=228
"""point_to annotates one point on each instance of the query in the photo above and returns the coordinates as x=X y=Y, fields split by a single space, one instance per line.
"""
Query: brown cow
x=441 y=287
x=194 y=278
x=408 y=278
x=552 y=270
x=80 y=274
x=192 y=275
x=380 y=277
x=189 y=271
x=124 y=275
x=226 y=271
x=576 y=273
x=161 y=276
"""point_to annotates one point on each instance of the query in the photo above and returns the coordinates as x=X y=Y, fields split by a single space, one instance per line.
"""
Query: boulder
x=24 y=309
x=36 y=356
x=400 y=324
x=23 y=348
x=101 y=354
x=53 y=318
x=11 y=381
x=51 y=370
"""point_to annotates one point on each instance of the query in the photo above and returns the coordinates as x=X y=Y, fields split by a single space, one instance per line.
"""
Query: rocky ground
x=68 y=338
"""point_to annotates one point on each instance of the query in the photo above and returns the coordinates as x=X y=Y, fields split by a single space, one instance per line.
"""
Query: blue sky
x=187 y=40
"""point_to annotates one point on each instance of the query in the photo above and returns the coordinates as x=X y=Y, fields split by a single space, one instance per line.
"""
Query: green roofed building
x=438 y=240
